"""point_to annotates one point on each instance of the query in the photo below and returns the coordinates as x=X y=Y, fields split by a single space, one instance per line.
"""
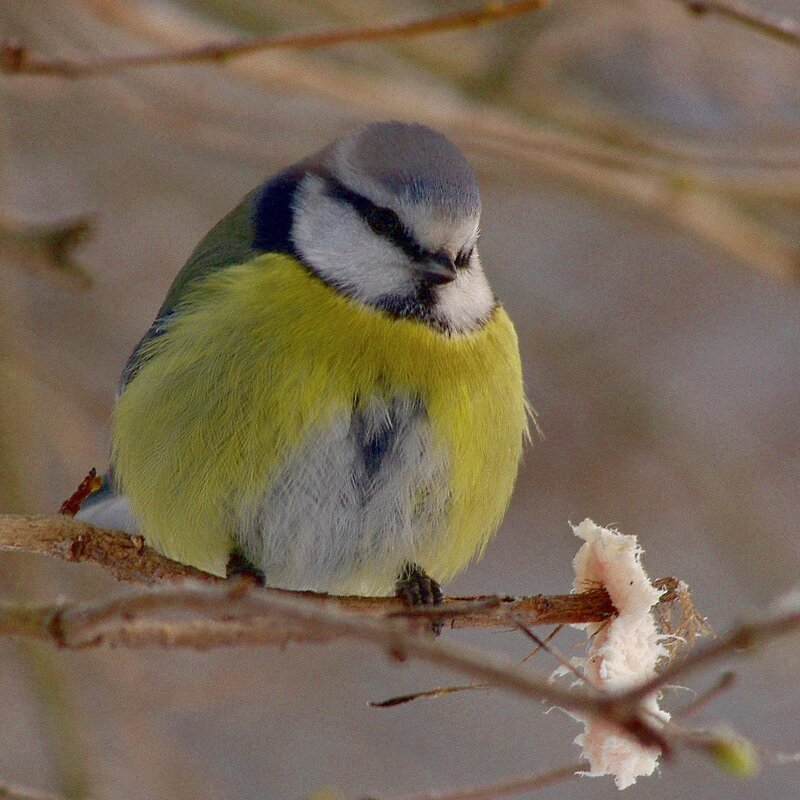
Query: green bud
x=735 y=755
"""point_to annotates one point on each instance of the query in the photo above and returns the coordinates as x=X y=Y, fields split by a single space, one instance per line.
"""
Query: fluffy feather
x=264 y=356
x=346 y=403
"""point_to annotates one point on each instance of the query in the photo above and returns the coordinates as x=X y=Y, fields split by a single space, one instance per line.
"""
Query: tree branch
x=54 y=242
x=17 y=59
x=215 y=613
x=746 y=636
x=202 y=616
x=8 y=792
x=783 y=29
x=236 y=613
x=525 y=783
x=128 y=558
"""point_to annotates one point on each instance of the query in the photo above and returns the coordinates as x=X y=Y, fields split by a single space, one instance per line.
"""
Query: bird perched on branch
x=330 y=396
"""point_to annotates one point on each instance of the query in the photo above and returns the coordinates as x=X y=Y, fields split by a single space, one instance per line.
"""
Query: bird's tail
x=107 y=509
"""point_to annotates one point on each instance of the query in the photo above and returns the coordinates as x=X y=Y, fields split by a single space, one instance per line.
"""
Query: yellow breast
x=260 y=353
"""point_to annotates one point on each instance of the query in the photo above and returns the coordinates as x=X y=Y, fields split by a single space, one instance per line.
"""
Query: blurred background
x=640 y=170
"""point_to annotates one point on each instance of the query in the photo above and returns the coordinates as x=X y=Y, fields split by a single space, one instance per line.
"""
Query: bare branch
x=15 y=58
x=544 y=644
x=55 y=242
x=783 y=29
x=236 y=613
x=440 y=691
x=527 y=783
x=723 y=684
x=128 y=558
x=429 y=694
x=8 y=792
x=202 y=616
x=699 y=190
x=746 y=636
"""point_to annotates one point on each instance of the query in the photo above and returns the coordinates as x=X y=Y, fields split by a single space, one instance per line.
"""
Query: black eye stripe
x=386 y=223
x=464 y=257
x=398 y=234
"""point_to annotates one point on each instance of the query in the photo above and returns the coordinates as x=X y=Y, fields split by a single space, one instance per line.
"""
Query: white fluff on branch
x=623 y=652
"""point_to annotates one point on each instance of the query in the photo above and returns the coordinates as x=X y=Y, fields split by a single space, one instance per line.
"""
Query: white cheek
x=467 y=302
x=332 y=239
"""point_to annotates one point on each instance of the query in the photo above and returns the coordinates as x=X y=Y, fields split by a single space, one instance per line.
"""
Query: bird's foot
x=240 y=566
x=418 y=589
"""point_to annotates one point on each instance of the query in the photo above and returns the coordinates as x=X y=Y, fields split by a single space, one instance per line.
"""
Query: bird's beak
x=438 y=269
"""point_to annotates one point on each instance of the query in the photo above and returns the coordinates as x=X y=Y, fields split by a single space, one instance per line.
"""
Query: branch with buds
x=186 y=608
x=204 y=612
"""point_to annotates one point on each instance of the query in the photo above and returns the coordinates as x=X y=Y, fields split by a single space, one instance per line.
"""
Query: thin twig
x=744 y=637
x=718 y=220
x=490 y=791
x=202 y=616
x=428 y=694
x=55 y=242
x=725 y=682
x=550 y=636
x=8 y=792
x=784 y=29
x=562 y=659
x=441 y=691
x=234 y=613
x=17 y=59
x=707 y=198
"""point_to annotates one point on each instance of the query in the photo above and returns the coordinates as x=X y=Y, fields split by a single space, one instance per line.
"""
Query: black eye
x=383 y=220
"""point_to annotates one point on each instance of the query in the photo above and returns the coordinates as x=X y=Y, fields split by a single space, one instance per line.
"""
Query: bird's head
x=389 y=216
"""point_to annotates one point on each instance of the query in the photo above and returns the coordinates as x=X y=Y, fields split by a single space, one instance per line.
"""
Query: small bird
x=330 y=397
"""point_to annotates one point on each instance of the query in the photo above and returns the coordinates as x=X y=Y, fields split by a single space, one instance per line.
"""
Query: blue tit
x=330 y=396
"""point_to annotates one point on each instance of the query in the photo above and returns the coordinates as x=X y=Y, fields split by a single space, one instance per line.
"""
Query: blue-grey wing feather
x=261 y=223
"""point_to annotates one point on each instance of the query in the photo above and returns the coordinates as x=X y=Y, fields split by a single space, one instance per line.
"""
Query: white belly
x=353 y=503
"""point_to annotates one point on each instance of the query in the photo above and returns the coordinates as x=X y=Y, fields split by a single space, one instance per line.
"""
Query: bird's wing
x=261 y=223
x=230 y=241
